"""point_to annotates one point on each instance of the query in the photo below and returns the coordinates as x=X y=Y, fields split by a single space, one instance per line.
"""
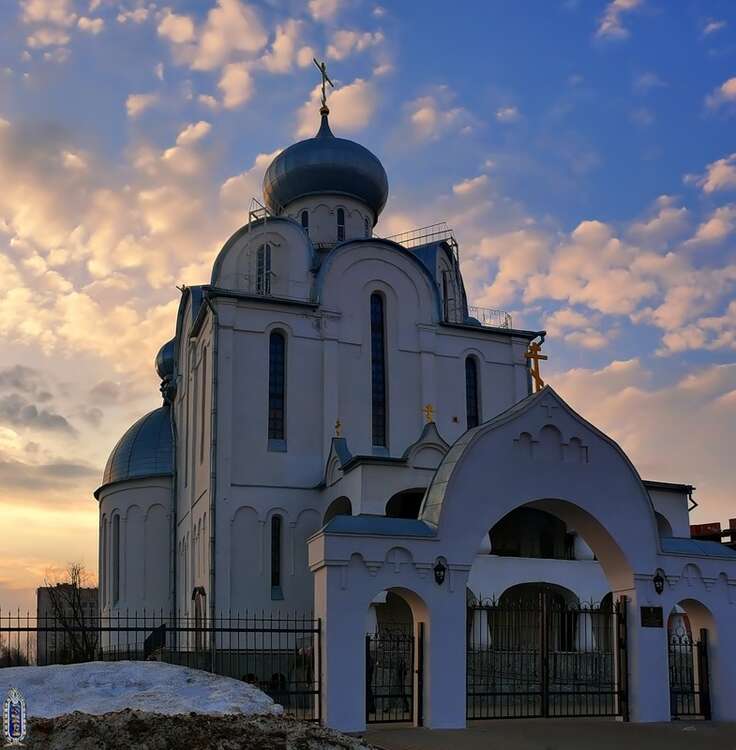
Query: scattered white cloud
x=324 y=10
x=712 y=26
x=137 y=104
x=719 y=175
x=667 y=222
x=717 y=227
x=471 y=185
x=208 y=101
x=56 y=12
x=135 y=15
x=434 y=115
x=178 y=29
x=281 y=55
x=352 y=107
x=645 y=82
x=611 y=25
x=345 y=42
x=725 y=94
x=91 y=25
x=507 y=114
x=305 y=56
x=159 y=71
x=236 y=84
x=47 y=37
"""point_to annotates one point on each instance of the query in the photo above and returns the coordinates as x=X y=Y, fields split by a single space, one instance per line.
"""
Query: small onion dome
x=165 y=360
x=325 y=165
x=145 y=450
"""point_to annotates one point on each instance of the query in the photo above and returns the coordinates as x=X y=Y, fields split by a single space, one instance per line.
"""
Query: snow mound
x=100 y=687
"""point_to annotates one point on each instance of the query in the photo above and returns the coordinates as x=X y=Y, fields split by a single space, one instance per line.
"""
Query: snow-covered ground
x=100 y=687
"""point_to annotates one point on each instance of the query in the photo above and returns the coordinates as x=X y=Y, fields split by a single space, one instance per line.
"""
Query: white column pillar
x=647 y=657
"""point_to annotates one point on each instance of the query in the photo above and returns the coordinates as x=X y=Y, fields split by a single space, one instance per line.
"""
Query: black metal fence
x=689 y=678
x=279 y=653
x=551 y=659
x=389 y=674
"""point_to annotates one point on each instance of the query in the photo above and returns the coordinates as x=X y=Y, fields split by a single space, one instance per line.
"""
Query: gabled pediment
x=338 y=457
x=428 y=451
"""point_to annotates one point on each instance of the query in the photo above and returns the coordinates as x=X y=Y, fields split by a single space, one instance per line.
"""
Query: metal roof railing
x=424 y=235
x=490 y=318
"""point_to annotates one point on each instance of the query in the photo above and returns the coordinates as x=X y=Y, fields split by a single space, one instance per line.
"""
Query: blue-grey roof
x=324 y=165
x=696 y=547
x=165 y=360
x=145 y=450
x=379 y=526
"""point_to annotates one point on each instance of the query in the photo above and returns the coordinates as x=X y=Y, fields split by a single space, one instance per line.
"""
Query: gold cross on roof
x=429 y=412
x=534 y=355
x=322 y=67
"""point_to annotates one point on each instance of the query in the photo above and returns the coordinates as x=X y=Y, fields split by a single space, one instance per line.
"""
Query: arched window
x=472 y=406
x=277 y=388
x=276 y=524
x=305 y=219
x=339 y=507
x=378 y=371
x=340 y=224
x=263 y=269
x=115 y=558
x=366 y=227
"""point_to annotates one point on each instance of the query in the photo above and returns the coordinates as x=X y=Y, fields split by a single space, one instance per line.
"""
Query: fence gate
x=390 y=655
x=689 y=678
x=537 y=659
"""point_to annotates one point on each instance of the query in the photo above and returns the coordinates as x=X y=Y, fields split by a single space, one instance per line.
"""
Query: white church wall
x=142 y=506
x=673 y=506
x=323 y=218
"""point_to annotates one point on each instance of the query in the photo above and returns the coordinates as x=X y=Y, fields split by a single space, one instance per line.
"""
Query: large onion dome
x=325 y=165
x=145 y=450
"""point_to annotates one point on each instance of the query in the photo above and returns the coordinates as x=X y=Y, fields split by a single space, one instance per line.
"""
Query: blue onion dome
x=325 y=165
x=145 y=450
x=165 y=360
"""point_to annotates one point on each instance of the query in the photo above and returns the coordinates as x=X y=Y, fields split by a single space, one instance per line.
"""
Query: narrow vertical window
x=378 y=371
x=445 y=299
x=115 y=559
x=104 y=583
x=187 y=428
x=366 y=228
x=471 y=392
x=202 y=412
x=340 y=224
x=276 y=556
x=305 y=219
x=263 y=269
x=277 y=386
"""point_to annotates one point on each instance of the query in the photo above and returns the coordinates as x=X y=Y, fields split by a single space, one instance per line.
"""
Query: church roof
x=325 y=165
x=145 y=450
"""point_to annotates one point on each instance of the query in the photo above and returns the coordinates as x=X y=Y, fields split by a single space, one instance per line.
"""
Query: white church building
x=343 y=433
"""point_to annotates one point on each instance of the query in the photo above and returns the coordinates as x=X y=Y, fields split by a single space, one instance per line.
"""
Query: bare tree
x=12 y=656
x=77 y=627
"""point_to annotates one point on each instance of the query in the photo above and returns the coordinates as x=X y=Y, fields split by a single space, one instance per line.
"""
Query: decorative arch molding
x=483 y=477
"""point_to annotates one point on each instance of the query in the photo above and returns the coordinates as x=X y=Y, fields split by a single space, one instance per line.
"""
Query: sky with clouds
x=584 y=152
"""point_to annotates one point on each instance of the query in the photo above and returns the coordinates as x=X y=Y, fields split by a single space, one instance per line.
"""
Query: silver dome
x=325 y=165
x=145 y=450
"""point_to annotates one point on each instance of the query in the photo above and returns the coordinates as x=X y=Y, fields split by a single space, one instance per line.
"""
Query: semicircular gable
x=235 y=263
x=330 y=281
x=541 y=452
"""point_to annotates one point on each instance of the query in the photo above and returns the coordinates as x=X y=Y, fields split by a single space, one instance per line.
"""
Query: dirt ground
x=137 y=730
x=564 y=734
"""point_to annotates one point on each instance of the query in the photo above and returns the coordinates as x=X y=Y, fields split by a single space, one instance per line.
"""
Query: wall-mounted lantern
x=658 y=582
x=440 y=571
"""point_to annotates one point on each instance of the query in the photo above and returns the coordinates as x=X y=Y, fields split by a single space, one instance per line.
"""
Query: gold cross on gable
x=534 y=355
x=322 y=67
x=428 y=412
x=338 y=428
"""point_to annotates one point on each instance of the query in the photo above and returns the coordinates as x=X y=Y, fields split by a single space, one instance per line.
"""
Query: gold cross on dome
x=322 y=67
x=534 y=355
x=338 y=428
x=429 y=413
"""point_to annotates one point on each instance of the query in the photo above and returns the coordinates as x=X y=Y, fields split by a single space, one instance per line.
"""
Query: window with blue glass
x=471 y=392
x=340 y=224
x=305 y=219
x=378 y=371
x=263 y=269
x=277 y=386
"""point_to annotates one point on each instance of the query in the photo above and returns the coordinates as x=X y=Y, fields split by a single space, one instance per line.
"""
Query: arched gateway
x=539 y=454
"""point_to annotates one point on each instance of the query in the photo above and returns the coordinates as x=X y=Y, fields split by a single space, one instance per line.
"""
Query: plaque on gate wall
x=652 y=617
